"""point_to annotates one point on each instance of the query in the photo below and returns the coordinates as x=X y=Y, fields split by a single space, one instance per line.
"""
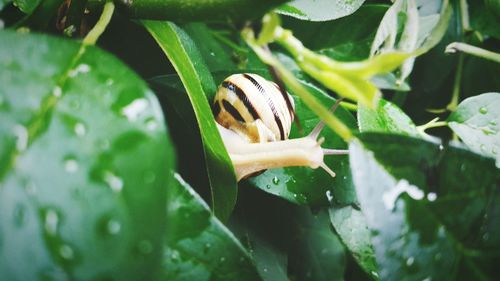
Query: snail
x=254 y=117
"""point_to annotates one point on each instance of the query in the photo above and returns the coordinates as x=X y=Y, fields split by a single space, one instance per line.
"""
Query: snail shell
x=255 y=108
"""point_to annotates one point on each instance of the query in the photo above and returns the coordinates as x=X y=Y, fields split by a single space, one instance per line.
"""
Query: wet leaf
x=83 y=161
x=411 y=191
x=477 y=122
x=386 y=117
x=198 y=81
x=319 y=10
x=198 y=245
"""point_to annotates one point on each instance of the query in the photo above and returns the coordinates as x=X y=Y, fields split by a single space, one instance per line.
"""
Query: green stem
x=452 y=106
x=464 y=13
x=349 y=106
x=472 y=50
x=101 y=24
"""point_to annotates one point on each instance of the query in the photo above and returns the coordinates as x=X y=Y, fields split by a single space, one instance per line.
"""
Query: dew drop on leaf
x=431 y=196
x=483 y=110
x=113 y=181
x=135 y=108
x=276 y=180
x=70 y=164
x=66 y=252
x=57 y=92
x=51 y=221
x=80 y=129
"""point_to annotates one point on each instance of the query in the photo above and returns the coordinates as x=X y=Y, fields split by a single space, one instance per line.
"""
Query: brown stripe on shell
x=241 y=95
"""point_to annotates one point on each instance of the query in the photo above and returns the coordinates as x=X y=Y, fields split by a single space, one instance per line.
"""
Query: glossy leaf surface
x=319 y=10
x=199 y=83
x=198 y=245
x=84 y=162
x=410 y=191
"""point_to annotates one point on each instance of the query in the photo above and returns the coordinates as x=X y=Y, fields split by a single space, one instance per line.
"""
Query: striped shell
x=254 y=107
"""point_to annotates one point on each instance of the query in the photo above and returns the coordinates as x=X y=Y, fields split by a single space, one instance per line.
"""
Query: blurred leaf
x=426 y=205
x=198 y=81
x=318 y=254
x=84 y=162
x=319 y=10
x=198 y=245
x=26 y=6
x=387 y=117
x=484 y=18
x=477 y=122
x=3 y=3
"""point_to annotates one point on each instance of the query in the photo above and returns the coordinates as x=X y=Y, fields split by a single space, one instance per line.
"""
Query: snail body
x=254 y=117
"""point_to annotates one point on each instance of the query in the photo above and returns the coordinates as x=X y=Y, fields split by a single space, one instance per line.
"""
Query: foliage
x=88 y=185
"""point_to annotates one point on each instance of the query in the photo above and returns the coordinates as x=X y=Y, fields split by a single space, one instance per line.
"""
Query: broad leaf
x=317 y=253
x=319 y=10
x=386 y=117
x=426 y=205
x=84 y=162
x=477 y=122
x=198 y=245
x=199 y=84
x=38 y=12
x=27 y=6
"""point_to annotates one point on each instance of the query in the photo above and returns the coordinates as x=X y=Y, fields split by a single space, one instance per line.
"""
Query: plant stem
x=349 y=106
x=452 y=106
x=464 y=13
x=101 y=24
x=472 y=50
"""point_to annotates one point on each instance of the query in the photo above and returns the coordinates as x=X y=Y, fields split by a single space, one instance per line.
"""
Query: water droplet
x=81 y=68
x=174 y=255
x=114 y=182
x=80 y=129
x=66 y=252
x=488 y=131
x=145 y=247
x=151 y=124
x=329 y=196
x=70 y=164
x=21 y=134
x=222 y=259
x=463 y=167
x=57 y=92
x=441 y=147
x=431 y=196
x=486 y=236
x=374 y=273
x=483 y=110
x=113 y=227
x=493 y=122
x=268 y=186
x=482 y=147
x=276 y=180
x=51 y=221
x=207 y=247
x=410 y=261
x=109 y=82
x=494 y=150
x=135 y=108
x=265 y=269
x=19 y=215
x=212 y=54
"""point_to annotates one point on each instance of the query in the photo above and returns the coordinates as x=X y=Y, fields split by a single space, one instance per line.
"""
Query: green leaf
x=27 y=6
x=319 y=10
x=484 y=17
x=83 y=161
x=198 y=245
x=387 y=117
x=198 y=81
x=477 y=122
x=426 y=205
x=317 y=253
x=351 y=226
